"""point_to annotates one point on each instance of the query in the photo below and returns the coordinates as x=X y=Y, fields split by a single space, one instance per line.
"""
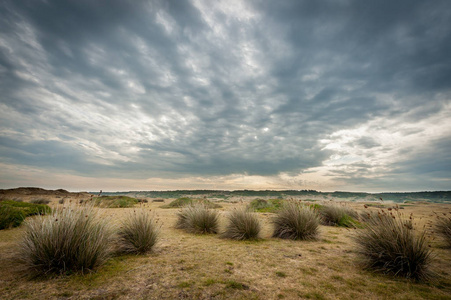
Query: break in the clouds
x=347 y=95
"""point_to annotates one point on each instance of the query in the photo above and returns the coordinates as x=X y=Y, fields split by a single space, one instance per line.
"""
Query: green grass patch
x=281 y=274
x=232 y=284
x=13 y=213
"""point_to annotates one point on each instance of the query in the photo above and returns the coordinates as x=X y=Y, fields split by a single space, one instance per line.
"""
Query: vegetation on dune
x=13 y=213
x=71 y=239
x=242 y=225
x=197 y=218
x=180 y=202
x=261 y=205
x=443 y=227
x=115 y=201
x=138 y=233
x=296 y=221
x=390 y=245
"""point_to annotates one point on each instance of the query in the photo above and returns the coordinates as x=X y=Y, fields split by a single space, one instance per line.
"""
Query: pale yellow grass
x=206 y=267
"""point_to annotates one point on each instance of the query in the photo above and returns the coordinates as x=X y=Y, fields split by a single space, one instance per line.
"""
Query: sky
x=162 y=95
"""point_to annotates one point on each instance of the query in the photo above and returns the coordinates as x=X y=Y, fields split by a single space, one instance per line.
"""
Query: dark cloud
x=179 y=88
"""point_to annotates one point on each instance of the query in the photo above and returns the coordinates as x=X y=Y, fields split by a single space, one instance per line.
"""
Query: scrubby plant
x=443 y=227
x=390 y=245
x=13 y=213
x=242 y=225
x=197 y=218
x=296 y=221
x=338 y=215
x=71 y=239
x=139 y=233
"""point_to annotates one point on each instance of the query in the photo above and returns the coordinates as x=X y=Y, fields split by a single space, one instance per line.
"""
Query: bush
x=297 y=222
x=184 y=201
x=13 y=213
x=243 y=225
x=138 y=233
x=197 y=218
x=443 y=227
x=336 y=215
x=71 y=239
x=388 y=244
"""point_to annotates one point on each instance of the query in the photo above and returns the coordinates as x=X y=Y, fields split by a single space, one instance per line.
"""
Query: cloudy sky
x=155 y=95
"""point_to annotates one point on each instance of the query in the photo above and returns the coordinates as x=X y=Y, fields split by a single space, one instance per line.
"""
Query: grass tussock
x=71 y=239
x=296 y=221
x=197 y=218
x=115 y=201
x=338 y=215
x=389 y=244
x=242 y=225
x=184 y=201
x=138 y=233
x=40 y=201
x=443 y=228
x=261 y=205
x=13 y=213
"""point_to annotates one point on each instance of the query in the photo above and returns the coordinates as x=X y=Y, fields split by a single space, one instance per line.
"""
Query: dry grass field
x=189 y=266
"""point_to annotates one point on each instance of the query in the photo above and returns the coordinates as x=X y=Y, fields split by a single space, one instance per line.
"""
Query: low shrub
x=71 y=239
x=261 y=205
x=443 y=227
x=138 y=233
x=390 y=245
x=242 y=225
x=296 y=221
x=181 y=202
x=114 y=201
x=13 y=213
x=197 y=218
x=337 y=215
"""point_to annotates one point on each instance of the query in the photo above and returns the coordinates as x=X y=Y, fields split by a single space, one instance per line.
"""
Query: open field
x=188 y=266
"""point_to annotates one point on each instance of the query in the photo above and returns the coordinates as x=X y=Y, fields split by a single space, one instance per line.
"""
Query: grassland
x=189 y=266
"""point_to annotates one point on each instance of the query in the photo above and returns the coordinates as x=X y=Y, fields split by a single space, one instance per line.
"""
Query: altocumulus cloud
x=226 y=94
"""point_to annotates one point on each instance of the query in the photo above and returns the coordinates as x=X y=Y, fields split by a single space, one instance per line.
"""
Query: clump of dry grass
x=242 y=225
x=297 y=222
x=390 y=245
x=71 y=239
x=443 y=227
x=197 y=218
x=138 y=233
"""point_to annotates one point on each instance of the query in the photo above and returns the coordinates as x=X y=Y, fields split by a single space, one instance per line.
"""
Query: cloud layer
x=299 y=94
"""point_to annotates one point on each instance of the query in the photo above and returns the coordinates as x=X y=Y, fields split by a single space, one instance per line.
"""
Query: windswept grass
x=13 y=213
x=242 y=225
x=296 y=221
x=138 y=233
x=71 y=239
x=197 y=218
x=390 y=245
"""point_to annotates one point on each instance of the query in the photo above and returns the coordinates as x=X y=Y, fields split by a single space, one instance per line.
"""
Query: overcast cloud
x=123 y=95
